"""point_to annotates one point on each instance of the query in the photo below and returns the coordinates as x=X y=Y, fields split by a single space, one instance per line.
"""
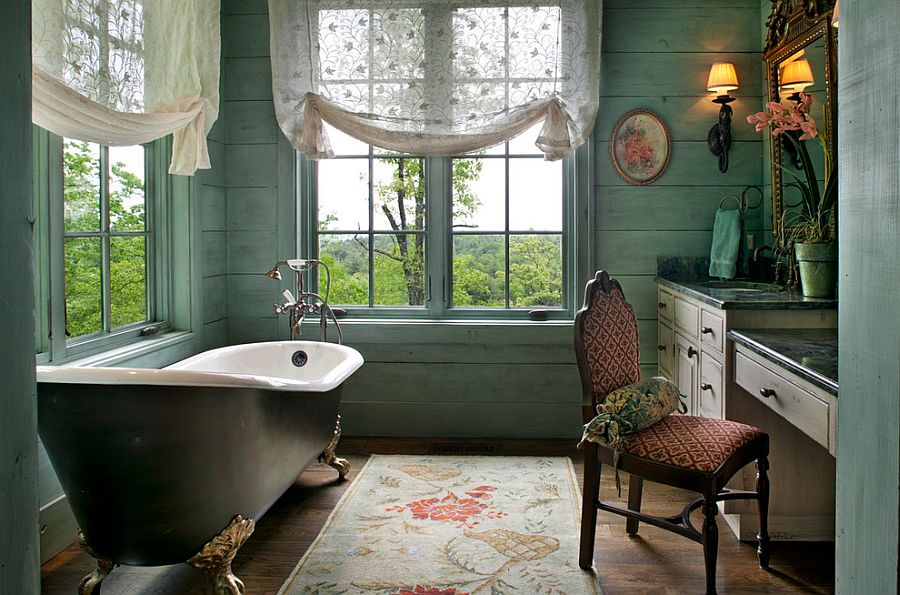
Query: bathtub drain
x=299 y=358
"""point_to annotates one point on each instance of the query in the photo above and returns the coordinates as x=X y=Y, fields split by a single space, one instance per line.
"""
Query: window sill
x=140 y=349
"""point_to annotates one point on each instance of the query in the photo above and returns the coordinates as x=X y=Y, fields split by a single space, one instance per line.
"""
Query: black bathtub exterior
x=152 y=473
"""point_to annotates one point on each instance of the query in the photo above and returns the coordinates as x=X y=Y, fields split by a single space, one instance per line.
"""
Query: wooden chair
x=693 y=453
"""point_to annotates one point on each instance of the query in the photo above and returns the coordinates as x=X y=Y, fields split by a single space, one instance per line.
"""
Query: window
x=470 y=235
x=97 y=214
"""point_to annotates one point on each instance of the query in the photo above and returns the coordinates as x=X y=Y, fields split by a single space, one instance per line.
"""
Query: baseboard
x=58 y=527
x=782 y=528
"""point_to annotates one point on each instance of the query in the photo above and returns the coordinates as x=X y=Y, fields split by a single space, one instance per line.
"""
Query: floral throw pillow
x=631 y=409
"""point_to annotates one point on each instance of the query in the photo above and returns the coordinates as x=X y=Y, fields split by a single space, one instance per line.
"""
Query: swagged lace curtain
x=435 y=77
x=125 y=72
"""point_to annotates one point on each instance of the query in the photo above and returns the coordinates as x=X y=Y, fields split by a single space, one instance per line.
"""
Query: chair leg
x=589 y=506
x=762 y=489
x=710 y=543
x=635 y=491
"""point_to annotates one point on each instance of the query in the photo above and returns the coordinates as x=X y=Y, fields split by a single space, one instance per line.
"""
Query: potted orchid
x=811 y=230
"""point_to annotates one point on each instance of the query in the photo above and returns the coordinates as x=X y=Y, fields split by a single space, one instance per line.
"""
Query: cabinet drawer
x=795 y=404
x=711 y=388
x=666 y=348
x=712 y=330
x=666 y=304
x=687 y=317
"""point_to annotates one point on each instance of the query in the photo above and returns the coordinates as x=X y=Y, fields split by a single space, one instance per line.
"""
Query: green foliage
x=479 y=261
x=83 y=255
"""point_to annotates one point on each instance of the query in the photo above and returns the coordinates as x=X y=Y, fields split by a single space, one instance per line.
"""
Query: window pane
x=479 y=265
x=479 y=194
x=400 y=270
x=344 y=144
x=535 y=195
x=84 y=293
x=524 y=143
x=347 y=256
x=399 y=191
x=343 y=194
x=81 y=186
x=127 y=280
x=126 y=189
x=535 y=270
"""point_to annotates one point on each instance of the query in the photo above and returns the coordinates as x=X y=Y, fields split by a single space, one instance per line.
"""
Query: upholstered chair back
x=606 y=340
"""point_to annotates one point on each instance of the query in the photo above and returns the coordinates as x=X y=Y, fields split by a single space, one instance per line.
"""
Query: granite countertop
x=776 y=298
x=811 y=354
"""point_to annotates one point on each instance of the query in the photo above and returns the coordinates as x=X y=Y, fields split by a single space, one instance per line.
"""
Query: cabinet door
x=711 y=387
x=686 y=355
x=666 y=349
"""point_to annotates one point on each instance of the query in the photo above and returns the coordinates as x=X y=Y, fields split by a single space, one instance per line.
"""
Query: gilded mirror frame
x=793 y=25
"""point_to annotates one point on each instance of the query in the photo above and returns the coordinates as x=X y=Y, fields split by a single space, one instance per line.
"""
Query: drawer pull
x=662 y=305
x=661 y=347
x=766 y=393
x=692 y=352
x=705 y=386
x=706 y=330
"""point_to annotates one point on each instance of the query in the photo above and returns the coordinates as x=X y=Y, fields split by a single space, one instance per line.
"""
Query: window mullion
x=106 y=316
x=57 y=246
x=437 y=237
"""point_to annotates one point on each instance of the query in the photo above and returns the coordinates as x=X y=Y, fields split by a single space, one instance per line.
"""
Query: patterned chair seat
x=695 y=443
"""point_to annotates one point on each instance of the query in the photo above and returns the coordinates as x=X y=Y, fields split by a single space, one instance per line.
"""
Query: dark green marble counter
x=811 y=354
x=741 y=299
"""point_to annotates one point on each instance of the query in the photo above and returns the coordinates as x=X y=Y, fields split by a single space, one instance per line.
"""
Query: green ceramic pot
x=818 y=269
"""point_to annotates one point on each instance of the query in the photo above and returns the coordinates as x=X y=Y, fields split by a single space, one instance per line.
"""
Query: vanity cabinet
x=694 y=351
x=691 y=351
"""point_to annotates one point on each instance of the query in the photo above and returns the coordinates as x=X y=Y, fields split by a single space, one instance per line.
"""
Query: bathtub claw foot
x=214 y=560
x=328 y=457
x=90 y=584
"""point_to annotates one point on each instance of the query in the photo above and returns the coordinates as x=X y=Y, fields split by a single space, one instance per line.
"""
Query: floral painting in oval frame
x=639 y=147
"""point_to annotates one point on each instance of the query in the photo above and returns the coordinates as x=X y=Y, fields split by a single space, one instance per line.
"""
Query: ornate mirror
x=800 y=55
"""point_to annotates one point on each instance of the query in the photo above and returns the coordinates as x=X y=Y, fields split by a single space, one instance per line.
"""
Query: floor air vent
x=449 y=448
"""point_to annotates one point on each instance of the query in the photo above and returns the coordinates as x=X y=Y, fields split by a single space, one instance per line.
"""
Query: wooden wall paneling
x=248 y=329
x=212 y=207
x=252 y=122
x=869 y=307
x=665 y=74
x=252 y=209
x=248 y=79
x=215 y=298
x=715 y=28
x=19 y=549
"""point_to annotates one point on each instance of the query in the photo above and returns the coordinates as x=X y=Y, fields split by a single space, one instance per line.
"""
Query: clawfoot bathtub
x=174 y=465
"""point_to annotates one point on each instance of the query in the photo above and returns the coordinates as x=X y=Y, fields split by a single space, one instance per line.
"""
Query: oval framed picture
x=639 y=147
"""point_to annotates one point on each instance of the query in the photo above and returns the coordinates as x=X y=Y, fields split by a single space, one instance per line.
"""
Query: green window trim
x=168 y=290
x=576 y=245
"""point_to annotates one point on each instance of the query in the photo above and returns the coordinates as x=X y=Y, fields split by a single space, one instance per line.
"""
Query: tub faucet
x=306 y=302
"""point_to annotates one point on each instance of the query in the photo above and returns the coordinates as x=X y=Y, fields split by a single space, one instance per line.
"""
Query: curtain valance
x=124 y=72
x=435 y=77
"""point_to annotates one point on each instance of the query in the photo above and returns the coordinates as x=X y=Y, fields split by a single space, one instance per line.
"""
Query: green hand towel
x=725 y=242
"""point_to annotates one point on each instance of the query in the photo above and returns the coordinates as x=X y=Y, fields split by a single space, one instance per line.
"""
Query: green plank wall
x=19 y=571
x=869 y=311
x=209 y=192
x=656 y=55
x=503 y=380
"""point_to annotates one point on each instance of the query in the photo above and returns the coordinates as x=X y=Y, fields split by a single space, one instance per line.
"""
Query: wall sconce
x=796 y=76
x=722 y=79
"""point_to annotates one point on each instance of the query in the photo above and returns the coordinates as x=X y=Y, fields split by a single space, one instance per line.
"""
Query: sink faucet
x=297 y=308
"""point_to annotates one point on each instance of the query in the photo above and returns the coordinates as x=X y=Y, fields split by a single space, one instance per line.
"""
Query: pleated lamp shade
x=722 y=78
x=797 y=75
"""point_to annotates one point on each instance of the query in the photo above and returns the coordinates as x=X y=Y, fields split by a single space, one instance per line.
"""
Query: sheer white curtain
x=435 y=77
x=124 y=72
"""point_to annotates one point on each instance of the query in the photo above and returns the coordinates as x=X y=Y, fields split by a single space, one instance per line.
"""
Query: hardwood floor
x=654 y=562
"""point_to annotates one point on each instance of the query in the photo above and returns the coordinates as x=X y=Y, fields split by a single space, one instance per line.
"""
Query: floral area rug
x=430 y=525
